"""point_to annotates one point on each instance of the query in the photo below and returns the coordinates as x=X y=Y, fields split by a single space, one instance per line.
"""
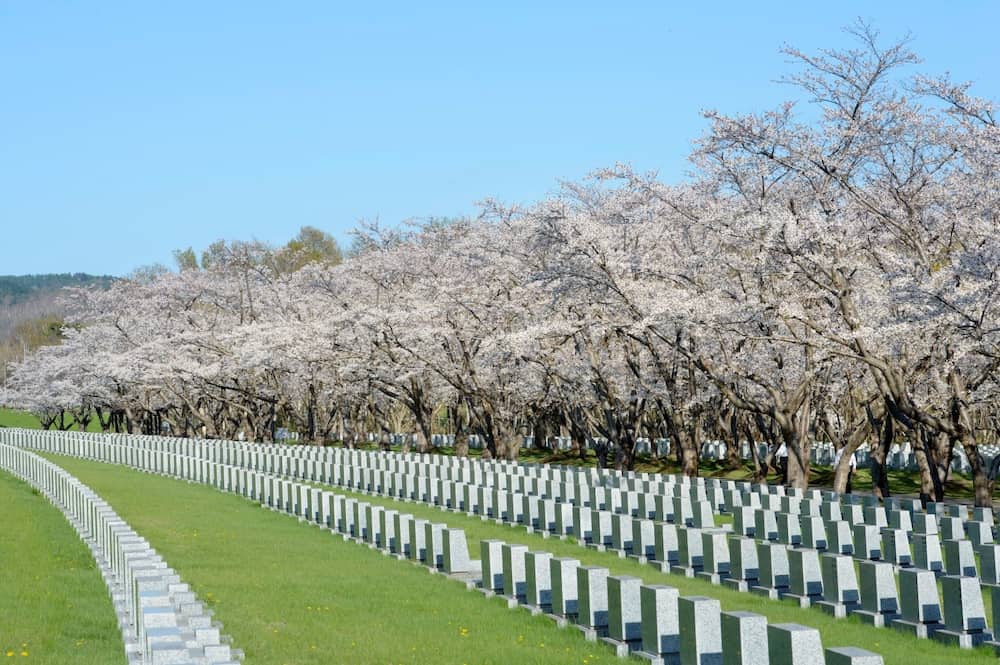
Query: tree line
x=827 y=275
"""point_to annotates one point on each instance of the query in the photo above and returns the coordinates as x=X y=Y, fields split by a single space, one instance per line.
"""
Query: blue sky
x=128 y=130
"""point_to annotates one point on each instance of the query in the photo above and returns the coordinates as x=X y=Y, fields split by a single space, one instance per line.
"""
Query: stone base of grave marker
x=654 y=659
x=622 y=649
x=877 y=619
x=962 y=640
x=768 y=592
x=801 y=601
x=851 y=656
x=838 y=610
x=921 y=630
x=737 y=585
x=561 y=622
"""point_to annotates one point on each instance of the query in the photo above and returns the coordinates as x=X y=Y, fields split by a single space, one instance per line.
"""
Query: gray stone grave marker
x=700 y=630
x=792 y=644
x=964 y=613
x=538 y=580
x=919 y=603
x=660 y=622
x=592 y=601
x=841 y=594
x=879 y=597
x=959 y=558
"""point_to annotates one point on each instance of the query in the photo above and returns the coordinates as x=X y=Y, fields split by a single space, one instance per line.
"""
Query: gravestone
x=744 y=636
x=841 y=594
x=979 y=533
x=562 y=575
x=660 y=622
x=952 y=528
x=690 y=552
x=667 y=547
x=919 y=603
x=959 y=558
x=772 y=559
x=700 y=630
x=964 y=613
x=491 y=553
x=744 y=521
x=813 y=531
x=514 y=573
x=839 y=538
x=765 y=525
x=744 y=571
x=538 y=580
x=456 y=552
x=644 y=539
x=805 y=578
x=927 y=552
x=789 y=531
x=624 y=612
x=434 y=545
x=879 y=597
x=896 y=547
x=792 y=644
x=592 y=601
x=622 y=533
x=925 y=523
x=867 y=543
x=989 y=564
x=715 y=555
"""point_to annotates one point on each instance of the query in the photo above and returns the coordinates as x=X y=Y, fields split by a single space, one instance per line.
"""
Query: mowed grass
x=292 y=594
x=425 y=619
x=14 y=418
x=54 y=607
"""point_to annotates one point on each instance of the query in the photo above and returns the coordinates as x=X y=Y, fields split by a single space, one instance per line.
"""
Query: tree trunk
x=981 y=484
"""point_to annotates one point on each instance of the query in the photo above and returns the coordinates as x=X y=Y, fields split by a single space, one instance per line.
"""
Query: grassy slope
x=293 y=594
x=12 y=418
x=895 y=647
x=392 y=594
x=54 y=607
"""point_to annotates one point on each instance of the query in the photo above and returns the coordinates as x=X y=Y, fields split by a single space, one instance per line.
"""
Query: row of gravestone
x=658 y=541
x=161 y=619
x=786 y=643
x=821 y=452
x=898 y=537
x=862 y=533
x=653 y=621
x=310 y=459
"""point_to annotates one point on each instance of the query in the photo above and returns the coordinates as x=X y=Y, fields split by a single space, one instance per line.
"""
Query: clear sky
x=131 y=129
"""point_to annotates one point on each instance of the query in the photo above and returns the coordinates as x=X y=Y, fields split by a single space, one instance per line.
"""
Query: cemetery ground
x=902 y=483
x=294 y=594
x=291 y=593
x=54 y=607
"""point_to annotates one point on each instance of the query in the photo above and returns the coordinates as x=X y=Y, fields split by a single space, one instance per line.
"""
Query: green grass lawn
x=12 y=418
x=291 y=594
x=54 y=607
x=216 y=540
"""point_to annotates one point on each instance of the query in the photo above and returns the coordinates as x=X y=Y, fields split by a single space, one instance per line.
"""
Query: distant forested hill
x=16 y=289
x=31 y=312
